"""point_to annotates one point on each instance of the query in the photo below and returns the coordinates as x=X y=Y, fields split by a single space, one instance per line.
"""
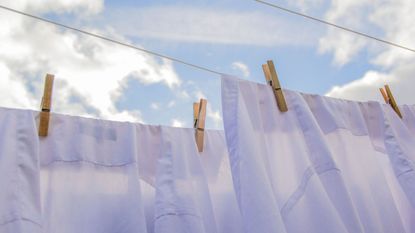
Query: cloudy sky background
x=99 y=79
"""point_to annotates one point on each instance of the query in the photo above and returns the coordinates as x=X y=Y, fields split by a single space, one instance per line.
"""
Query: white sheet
x=19 y=173
x=326 y=165
x=194 y=191
x=100 y=176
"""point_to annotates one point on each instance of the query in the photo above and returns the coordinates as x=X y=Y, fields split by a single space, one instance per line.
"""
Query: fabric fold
x=326 y=165
x=92 y=175
x=90 y=180
x=192 y=194
x=19 y=166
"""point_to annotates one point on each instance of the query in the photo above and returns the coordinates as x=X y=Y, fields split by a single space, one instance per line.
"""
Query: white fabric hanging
x=89 y=177
x=110 y=177
x=194 y=192
x=19 y=173
x=326 y=165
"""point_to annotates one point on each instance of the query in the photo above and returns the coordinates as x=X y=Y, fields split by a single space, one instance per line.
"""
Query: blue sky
x=97 y=79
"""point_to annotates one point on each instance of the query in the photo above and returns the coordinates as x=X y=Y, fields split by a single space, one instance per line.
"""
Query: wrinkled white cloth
x=19 y=173
x=194 y=192
x=90 y=176
x=326 y=165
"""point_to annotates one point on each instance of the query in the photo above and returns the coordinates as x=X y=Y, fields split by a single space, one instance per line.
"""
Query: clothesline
x=335 y=25
x=277 y=89
x=114 y=41
x=199 y=109
x=324 y=166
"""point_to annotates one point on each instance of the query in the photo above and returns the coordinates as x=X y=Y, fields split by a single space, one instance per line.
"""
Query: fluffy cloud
x=362 y=89
x=367 y=88
x=57 y=6
x=90 y=74
x=393 y=66
x=155 y=106
x=177 y=123
x=12 y=92
x=215 y=116
x=241 y=67
x=305 y=5
x=344 y=45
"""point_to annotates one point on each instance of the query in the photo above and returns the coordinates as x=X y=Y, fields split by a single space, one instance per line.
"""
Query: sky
x=95 y=78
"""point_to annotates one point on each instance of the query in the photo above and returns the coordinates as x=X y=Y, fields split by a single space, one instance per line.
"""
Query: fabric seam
x=87 y=161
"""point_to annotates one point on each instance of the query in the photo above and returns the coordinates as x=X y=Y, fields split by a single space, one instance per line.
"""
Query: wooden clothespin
x=389 y=99
x=272 y=79
x=46 y=106
x=199 y=117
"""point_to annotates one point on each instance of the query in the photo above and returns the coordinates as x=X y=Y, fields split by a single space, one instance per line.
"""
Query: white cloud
x=13 y=92
x=209 y=25
x=171 y=104
x=155 y=106
x=393 y=66
x=183 y=94
x=363 y=89
x=345 y=45
x=177 y=123
x=400 y=79
x=306 y=5
x=215 y=116
x=90 y=74
x=199 y=95
x=241 y=67
x=57 y=6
